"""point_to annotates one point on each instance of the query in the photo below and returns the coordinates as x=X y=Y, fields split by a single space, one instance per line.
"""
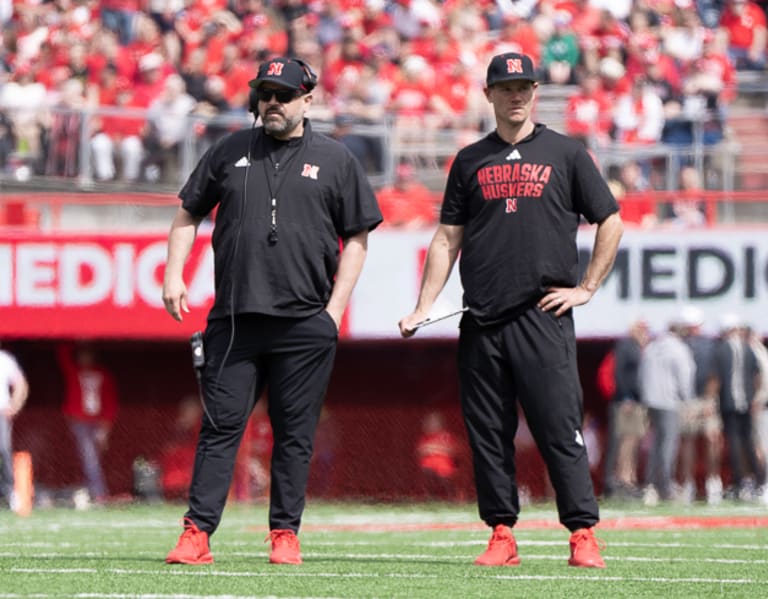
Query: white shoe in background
x=714 y=489
x=650 y=496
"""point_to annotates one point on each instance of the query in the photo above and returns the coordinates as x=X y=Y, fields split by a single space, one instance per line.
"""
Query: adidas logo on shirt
x=242 y=162
x=513 y=155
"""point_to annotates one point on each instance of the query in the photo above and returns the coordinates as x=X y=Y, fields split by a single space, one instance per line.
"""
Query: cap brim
x=255 y=83
x=517 y=78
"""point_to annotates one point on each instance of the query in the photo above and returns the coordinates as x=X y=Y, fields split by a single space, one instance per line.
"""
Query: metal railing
x=429 y=149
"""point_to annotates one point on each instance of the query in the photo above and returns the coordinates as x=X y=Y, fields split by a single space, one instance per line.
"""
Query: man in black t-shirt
x=512 y=206
x=285 y=197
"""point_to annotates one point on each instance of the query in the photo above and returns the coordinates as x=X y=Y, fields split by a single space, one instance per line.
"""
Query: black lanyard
x=288 y=157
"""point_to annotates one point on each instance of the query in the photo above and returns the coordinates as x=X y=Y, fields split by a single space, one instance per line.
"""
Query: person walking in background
x=14 y=390
x=627 y=416
x=667 y=372
x=90 y=407
x=699 y=417
x=285 y=196
x=760 y=403
x=512 y=207
x=737 y=375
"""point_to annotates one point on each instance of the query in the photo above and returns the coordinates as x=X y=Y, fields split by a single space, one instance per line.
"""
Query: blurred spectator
x=120 y=16
x=437 y=453
x=367 y=149
x=745 y=23
x=737 y=379
x=24 y=102
x=194 y=73
x=613 y=80
x=408 y=203
x=699 y=416
x=561 y=53
x=147 y=38
x=167 y=124
x=107 y=53
x=219 y=32
x=118 y=138
x=687 y=208
x=177 y=456
x=14 y=390
x=456 y=99
x=263 y=32
x=517 y=35
x=151 y=79
x=213 y=104
x=90 y=407
x=660 y=70
x=667 y=372
x=62 y=142
x=627 y=417
x=343 y=62
x=638 y=205
x=683 y=38
x=760 y=406
x=588 y=113
x=715 y=64
x=236 y=73
x=638 y=116
x=707 y=88
x=585 y=19
x=411 y=101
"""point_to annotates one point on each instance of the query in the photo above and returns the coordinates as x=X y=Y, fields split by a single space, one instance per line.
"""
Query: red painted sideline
x=630 y=523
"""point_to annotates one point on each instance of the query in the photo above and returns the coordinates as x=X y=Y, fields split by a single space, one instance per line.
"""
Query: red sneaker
x=502 y=549
x=192 y=547
x=585 y=549
x=285 y=547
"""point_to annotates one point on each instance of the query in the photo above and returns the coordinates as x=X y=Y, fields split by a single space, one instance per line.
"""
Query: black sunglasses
x=281 y=95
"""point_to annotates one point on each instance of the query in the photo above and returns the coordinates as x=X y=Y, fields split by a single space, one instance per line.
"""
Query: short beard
x=275 y=129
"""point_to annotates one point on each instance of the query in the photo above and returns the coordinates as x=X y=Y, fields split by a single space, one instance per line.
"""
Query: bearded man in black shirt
x=285 y=197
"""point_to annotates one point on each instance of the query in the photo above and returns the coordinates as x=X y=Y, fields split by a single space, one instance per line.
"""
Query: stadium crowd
x=644 y=71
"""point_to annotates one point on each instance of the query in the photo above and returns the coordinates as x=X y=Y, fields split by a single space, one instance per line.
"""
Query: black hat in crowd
x=288 y=72
x=509 y=67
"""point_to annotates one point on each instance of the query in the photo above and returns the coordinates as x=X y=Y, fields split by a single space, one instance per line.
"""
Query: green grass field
x=385 y=551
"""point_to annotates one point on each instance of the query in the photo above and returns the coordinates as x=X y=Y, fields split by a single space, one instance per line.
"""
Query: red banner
x=97 y=286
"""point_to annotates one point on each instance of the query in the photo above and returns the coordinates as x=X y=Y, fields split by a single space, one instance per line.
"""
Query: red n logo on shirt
x=275 y=68
x=514 y=65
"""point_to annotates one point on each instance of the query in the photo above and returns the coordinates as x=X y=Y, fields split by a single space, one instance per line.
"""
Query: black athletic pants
x=531 y=360
x=293 y=358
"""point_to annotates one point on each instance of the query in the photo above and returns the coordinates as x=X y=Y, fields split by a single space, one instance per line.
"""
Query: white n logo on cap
x=514 y=65
x=275 y=68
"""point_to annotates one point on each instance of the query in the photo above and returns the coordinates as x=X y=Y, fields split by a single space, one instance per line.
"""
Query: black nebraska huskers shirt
x=322 y=194
x=520 y=205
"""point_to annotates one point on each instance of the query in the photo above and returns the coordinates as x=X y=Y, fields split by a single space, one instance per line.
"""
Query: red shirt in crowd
x=588 y=113
x=741 y=27
x=407 y=203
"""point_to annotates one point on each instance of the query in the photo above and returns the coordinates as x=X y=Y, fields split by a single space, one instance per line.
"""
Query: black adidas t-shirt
x=322 y=194
x=520 y=205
